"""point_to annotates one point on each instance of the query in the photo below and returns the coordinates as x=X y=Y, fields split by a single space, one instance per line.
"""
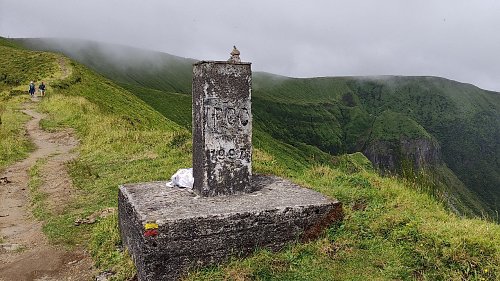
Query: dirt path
x=25 y=253
x=65 y=68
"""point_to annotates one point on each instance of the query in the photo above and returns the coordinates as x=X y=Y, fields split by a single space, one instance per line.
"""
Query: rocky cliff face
x=393 y=156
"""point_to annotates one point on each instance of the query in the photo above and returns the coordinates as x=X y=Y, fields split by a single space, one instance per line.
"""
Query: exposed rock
x=392 y=156
x=104 y=276
x=4 y=180
x=10 y=247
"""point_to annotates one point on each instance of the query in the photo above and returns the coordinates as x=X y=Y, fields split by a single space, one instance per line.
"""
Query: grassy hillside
x=16 y=72
x=174 y=106
x=392 y=229
x=463 y=118
x=124 y=64
x=403 y=124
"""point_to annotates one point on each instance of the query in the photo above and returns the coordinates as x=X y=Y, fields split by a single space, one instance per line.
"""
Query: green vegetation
x=17 y=68
x=122 y=140
x=393 y=230
x=103 y=247
x=14 y=145
x=390 y=126
x=390 y=233
x=338 y=115
x=174 y=106
x=462 y=118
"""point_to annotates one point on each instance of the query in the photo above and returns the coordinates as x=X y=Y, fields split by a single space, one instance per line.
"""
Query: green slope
x=123 y=64
x=403 y=124
x=464 y=119
x=400 y=123
x=392 y=230
x=174 y=106
x=15 y=74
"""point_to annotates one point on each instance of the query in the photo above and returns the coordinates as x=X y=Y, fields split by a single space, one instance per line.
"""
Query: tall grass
x=390 y=232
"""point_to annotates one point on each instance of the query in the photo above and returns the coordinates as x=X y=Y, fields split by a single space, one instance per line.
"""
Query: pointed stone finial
x=235 y=55
x=235 y=51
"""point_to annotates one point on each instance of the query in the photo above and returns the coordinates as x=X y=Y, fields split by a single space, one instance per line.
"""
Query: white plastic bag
x=182 y=178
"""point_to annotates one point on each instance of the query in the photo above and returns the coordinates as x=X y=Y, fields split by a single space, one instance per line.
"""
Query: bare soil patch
x=25 y=253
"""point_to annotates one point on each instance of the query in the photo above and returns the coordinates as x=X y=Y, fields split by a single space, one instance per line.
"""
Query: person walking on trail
x=41 y=88
x=32 y=89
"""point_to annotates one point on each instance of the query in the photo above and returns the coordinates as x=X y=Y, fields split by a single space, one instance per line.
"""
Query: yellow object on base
x=151 y=225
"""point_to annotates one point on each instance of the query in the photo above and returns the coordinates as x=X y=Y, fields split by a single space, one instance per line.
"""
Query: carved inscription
x=228 y=122
x=222 y=154
x=222 y=128
x=225 y=118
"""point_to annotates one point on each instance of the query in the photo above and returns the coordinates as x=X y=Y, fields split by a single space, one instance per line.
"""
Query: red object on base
x=151 y=233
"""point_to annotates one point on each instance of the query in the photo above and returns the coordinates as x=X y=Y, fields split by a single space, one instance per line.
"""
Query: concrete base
x=170 y=230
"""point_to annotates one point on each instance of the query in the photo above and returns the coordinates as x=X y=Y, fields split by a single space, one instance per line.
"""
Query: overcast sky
x=455 y=39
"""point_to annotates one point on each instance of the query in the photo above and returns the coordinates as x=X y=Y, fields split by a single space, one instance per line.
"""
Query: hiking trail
x=25 y=252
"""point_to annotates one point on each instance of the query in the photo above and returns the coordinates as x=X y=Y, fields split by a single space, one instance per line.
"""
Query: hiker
x=41 y=88
x=32 y=89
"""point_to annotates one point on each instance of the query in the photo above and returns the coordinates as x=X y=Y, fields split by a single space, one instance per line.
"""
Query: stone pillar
x=222 y=128
x=168 y=231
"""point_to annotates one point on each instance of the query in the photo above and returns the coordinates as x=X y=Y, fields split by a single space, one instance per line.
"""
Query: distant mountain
x=441 y=134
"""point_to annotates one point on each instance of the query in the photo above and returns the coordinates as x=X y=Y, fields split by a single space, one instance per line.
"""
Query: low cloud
x=453 y=39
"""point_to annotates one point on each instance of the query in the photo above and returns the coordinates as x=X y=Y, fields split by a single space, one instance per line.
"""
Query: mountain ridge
x=341 y=115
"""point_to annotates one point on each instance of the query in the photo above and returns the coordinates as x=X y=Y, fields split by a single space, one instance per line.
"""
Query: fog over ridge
x=453 y=39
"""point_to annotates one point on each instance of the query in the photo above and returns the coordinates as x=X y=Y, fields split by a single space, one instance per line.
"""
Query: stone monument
x=169 y=231
x=222 y=127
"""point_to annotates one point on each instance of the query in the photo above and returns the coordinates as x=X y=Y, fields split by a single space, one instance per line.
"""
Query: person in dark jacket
x=41 y=88
x=32 y=89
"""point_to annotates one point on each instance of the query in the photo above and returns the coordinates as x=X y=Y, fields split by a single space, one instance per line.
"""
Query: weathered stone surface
x=222 y=128
x=235 y=56
x=390 y=156
x=196 y=231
